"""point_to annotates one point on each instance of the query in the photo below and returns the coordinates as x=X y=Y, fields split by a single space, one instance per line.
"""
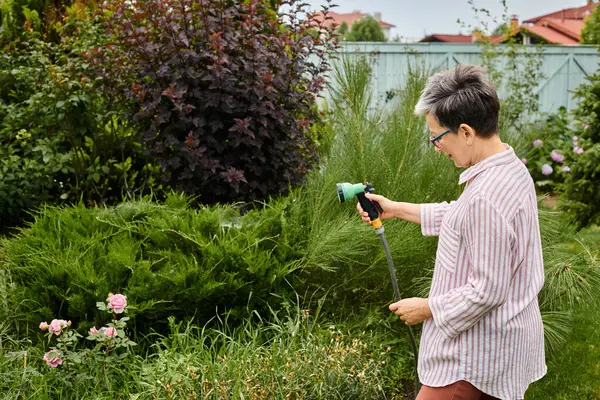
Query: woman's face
x=455 y=145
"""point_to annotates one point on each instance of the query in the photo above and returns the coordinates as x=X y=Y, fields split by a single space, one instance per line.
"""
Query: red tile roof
x=551 y=35
x=567 y=13
x=561 y=27
x=447 y=38
x=436 y=37
x=349 y=18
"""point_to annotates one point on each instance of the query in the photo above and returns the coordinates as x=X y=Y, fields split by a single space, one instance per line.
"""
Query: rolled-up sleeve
x=431 y=217
x=488 y=238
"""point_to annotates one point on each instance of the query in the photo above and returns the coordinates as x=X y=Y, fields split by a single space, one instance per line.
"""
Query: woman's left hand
x=412 y=311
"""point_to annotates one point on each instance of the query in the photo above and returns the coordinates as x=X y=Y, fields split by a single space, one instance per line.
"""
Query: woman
x=482 y=335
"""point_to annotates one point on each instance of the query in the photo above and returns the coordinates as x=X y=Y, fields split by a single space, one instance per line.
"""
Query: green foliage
x=581 y=190
x=25 y=19
x=387 y=146
x=590 y=34
x=61 y=138
x=295 y=355
x=343 y=28
x=550 y=144
x=167 y=259
x=366 y=29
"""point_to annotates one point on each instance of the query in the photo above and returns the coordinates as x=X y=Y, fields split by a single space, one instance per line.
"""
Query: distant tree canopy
x=590 y=34
x=366 y=30
x=343 y=29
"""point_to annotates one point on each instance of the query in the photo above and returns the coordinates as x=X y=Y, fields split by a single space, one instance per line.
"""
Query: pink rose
x=43 y=325
x=93 y=330
x=559 y=158
x=52 y=358
x=117 y=302
x=565 y=168
x=546 y=169
x=57 y=326
x=537 y=143
x=585 y=126
x=110 y=331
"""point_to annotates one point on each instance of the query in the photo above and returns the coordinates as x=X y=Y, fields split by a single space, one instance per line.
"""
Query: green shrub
x=552 y=151
x=581 y=190
x=167 y=259
x=62 y=139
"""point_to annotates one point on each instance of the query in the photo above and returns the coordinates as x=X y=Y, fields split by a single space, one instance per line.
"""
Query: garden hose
x=347 y=191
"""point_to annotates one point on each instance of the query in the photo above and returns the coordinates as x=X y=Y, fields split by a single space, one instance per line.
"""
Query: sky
x=418 y=18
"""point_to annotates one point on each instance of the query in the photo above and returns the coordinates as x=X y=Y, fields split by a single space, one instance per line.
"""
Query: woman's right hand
x=386 y=206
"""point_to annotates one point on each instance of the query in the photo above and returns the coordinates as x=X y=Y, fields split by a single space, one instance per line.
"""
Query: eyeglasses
x=434 y=141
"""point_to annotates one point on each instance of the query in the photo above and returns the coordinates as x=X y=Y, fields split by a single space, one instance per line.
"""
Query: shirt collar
x=497 y=159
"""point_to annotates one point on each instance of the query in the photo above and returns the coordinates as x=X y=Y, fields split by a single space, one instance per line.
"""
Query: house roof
x=560 y=27
x=447 y=38
x=551 y=35
x=436 y=37
x=348 y=18
x=567 y=13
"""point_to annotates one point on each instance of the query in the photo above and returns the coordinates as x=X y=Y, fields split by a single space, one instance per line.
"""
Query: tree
x=501 y=29
x=366 y=30
x=590 y=34
x=342 y=30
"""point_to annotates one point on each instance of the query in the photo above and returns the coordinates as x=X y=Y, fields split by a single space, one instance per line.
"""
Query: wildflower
x=546 y=169
x=43 y=325
x=559 y=158
x=585 y=126
x=52 y=358
x=575 y=139
x=524 y=160
x=94 y=331
x=565 y=168
x=577 y=150
x=537 y=143
x=57 y=326
x=117 y=302
x=110 y=331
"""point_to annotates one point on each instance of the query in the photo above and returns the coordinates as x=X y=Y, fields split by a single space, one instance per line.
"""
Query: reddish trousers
x=461 y=390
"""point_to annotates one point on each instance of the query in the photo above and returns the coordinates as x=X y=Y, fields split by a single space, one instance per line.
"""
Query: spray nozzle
x=347 y=191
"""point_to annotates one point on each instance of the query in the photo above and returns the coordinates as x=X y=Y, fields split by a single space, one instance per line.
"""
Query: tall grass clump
x=387 y=147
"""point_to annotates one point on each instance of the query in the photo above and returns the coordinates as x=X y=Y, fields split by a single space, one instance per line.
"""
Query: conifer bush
x=169 y=260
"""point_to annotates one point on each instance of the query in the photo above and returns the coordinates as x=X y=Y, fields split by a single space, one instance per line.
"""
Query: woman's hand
x=412 y=311
x=386 y=205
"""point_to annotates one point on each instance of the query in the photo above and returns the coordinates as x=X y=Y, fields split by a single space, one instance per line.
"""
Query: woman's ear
x=468 y=133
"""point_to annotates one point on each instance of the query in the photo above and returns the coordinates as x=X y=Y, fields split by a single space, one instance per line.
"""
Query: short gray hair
x=461 y=96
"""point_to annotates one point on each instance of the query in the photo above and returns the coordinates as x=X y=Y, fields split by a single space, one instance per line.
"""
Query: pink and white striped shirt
x=486 y=326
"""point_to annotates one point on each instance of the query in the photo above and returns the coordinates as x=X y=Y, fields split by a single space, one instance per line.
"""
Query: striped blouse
x=486 y=326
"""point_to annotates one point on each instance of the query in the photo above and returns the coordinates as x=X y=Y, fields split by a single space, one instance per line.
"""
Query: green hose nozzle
x=347 y=191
